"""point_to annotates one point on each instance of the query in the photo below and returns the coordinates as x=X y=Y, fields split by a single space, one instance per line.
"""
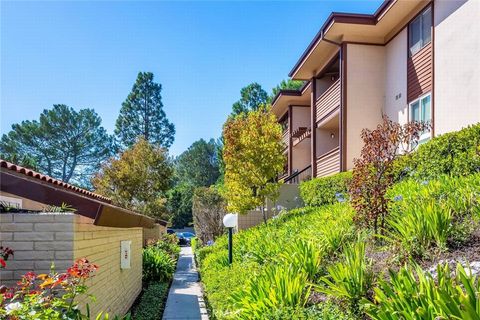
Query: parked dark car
x=184 y=238
x=170 y=231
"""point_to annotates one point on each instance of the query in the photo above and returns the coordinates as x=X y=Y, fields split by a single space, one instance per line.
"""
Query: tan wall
x=116 y=289
x=153 y=234
x=301 y=155
x=365 y=94
x=457 y=67
x=289 y=198
x=26 y=203
x=300 y=117
x=325 y=143
x=38 y=240
x=396 y=78
x=323 y=84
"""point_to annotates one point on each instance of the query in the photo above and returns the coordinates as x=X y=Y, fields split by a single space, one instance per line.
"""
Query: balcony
x=285 y=138
x=299 y=176
x=301 y=134
x=328 y=102
x=328 y=163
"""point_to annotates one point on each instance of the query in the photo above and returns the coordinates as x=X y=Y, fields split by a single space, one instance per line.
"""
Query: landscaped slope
x=313 y=263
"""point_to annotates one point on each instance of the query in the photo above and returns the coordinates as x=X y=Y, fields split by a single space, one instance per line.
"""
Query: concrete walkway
x=185 y=299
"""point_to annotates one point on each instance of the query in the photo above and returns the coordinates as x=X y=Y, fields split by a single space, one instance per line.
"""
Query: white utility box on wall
x=125 y=253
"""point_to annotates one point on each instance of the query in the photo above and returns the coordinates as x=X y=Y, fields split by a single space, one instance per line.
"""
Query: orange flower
x=47 y=283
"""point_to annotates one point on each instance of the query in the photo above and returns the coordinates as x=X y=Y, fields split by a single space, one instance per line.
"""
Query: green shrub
x=169 y=244
x=275 y=287
x=414 y=294
x=302 y=256
x=326 y=190
x=324 y=311
x=432 y=215
x=454 y=153
x=158 y=265
x=254 y=250
x=351 y=278
x=152 y=302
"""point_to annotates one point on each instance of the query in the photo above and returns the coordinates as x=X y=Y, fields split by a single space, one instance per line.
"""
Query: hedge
x=326 y=190
x=455 y=154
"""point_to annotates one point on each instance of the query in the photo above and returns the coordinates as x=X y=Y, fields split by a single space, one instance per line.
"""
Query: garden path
x=185 y=299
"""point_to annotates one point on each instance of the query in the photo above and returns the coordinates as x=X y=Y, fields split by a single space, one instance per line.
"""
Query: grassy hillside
x=314 y=263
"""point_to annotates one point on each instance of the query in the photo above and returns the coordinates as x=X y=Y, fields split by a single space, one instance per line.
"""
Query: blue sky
x=87 y=54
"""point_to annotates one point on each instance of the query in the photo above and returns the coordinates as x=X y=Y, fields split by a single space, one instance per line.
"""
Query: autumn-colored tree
x=374 y=171
x=138 y=179
x=253 y=159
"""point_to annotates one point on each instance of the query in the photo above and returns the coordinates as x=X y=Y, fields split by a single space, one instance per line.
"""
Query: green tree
x=251 y=98
x=64 y=143
x=196 y=167
x=142 y=115
x=180 y=205
x=287 y=85
x=253 y=159
x=138 y=179
x=199 y=164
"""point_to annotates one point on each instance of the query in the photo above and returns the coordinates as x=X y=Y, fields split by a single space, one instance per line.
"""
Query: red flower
x=3 y=264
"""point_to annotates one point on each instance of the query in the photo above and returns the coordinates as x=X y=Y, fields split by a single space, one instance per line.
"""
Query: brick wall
x=116 y=289
x=38 y=240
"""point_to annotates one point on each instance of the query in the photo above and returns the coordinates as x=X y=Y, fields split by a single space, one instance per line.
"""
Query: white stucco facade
x=457 y=64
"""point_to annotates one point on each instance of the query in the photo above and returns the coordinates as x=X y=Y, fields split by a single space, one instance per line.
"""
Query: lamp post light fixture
x=230 y=222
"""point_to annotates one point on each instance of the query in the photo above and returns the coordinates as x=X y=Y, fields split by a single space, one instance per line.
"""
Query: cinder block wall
x=61 y=238
x=115 y=289
x=38 y=241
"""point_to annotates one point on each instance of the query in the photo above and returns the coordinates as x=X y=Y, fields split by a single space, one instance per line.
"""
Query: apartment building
x=410 y=60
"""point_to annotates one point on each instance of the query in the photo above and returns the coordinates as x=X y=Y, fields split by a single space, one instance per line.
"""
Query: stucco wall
x=396 y=78
x=116 y=289
x=325 y=143
x=365 y=94
x=457 y=67
x=301 y=155
x=25 y=203
x=300 y=117
x=38 y=240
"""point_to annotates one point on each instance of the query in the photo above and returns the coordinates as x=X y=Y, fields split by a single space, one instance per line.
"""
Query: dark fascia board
x=290 y=92
x=341 y=17
x=103 y=213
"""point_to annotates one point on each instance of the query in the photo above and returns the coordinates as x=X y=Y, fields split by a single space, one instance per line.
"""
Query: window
x=420 y=31
x=420 y=110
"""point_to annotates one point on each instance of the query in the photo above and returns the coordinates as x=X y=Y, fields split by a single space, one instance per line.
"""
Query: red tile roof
x=56 y=182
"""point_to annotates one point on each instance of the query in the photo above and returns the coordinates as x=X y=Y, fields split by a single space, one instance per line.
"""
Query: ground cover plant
x=278 y=255
x=338 y=274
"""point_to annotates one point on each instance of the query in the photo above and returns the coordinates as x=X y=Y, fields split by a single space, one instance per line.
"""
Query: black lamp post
x=230 y=222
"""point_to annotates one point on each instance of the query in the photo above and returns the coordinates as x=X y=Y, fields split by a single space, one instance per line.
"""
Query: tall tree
x=138 y=179
x=64 y=143
x=251 y=98
x=196 y=167
x=142 y=115
x=253 y=159
x=199 y=165
x=287 y=85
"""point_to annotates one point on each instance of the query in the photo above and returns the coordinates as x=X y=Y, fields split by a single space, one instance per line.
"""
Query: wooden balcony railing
x=329 y=163
x=285 y=138
x=329 y=101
